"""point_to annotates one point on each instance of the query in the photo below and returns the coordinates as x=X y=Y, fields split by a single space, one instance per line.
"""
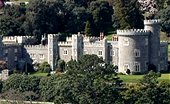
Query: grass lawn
x=39 y=74
x=136 y=78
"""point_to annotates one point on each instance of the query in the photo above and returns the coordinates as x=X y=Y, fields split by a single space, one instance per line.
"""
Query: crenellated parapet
x=93 y=44
x=85 y=38
x=53 y=35
x=17 y=39
x=36 y=46
x=68 y=38
x=151 y=22
x=133 y=32
x=65 y=43
x=11 y=45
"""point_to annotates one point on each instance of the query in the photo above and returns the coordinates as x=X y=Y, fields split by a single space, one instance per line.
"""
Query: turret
x=133 y=50
x=77 y=46
x=52 y=49
x=154 y=42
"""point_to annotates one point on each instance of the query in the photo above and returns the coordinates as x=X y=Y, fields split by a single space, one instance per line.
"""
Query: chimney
x=101 y=35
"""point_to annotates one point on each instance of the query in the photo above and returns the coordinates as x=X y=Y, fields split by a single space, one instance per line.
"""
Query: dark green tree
x=88 y=29
x=164 y=16
x=12 y=19
x=43 y=16
x=127 y=14
x=101 y=16
x=44 y=67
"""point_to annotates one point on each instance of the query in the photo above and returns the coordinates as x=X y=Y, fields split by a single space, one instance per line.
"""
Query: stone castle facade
x=131 y=49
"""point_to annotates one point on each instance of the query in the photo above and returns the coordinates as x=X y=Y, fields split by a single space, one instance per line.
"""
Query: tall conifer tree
x=127 y=14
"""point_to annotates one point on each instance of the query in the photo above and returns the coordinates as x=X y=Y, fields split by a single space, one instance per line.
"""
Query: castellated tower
x=154 y=42
x=52 y=49
x=77 y=46
x=133 y=50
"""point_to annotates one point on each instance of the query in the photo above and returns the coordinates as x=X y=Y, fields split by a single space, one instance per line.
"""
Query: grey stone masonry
x=132 y=49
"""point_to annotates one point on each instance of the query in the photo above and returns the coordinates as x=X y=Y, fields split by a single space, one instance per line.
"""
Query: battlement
x=150 y=22
x=9 y=45
x=65 y=43
x=53 y=35
x=16 y=39
x=93 y=44
x=133 y=32
x=36 y=46
x=85 y=38
x=68 y=38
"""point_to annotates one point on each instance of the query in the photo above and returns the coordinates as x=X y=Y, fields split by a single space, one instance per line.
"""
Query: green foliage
x=61 y=65
x=127 y=14
x=150 y=79
x=11 y=20
x=47 y=88
x=101 y=13
x=88 y=29
x=22 y=83
x=44 y=67
x=164 y=15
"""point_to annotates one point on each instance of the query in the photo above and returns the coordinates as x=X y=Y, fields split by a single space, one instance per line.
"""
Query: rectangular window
x=126 y=66
x=137 y=66
x=16 y=58
x=41 y=56
x=32 y=55
x=146 y=41
x=65 y=52
x=137 y=53
x=100 y=53
x=126 y=42
x=113 y=52
x=15 y=50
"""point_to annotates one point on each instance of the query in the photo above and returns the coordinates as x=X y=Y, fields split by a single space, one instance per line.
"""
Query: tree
x=61 y=65
x=101 y=16
x=88 y=29
x=150 y=79
x=44 y=67
x=148 y=91
x=127 y=14
x=22 y=83
x=12 y=19
x=41 y=14
x=164 y=15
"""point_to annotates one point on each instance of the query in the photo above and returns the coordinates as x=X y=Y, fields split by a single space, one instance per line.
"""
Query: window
x=100 y=53
x=146 y=41
x=146 y=65
x=65 y=52
x=126 y=42
x=137 y=53
x=15 y=50
x=32 y=55
x=113 y=52
x=16 y=58
x=41 y=56
x=137 y=66
x=126 y=66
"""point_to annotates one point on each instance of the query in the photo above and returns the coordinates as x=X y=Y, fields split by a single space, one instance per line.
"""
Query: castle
x=131 y=49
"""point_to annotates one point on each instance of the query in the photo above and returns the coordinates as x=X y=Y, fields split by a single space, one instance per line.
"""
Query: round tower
x=133 y=50
x=154 y=42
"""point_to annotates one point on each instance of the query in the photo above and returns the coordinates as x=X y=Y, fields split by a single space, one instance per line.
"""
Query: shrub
x=136 y=73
